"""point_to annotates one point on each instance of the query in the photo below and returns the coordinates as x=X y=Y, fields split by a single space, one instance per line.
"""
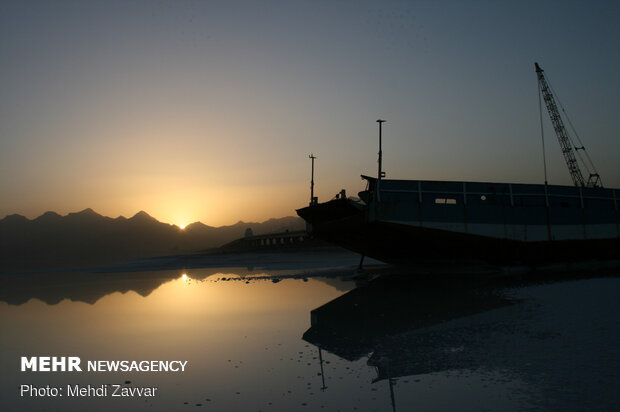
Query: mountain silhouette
x=87 y=238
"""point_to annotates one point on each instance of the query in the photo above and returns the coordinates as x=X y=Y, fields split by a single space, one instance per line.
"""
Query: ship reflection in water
x=287 y=340
x=392 y=318
x=541 y=347
x=403 y=327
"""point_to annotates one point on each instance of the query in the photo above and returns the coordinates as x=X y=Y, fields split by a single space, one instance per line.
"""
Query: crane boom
x=560 y=130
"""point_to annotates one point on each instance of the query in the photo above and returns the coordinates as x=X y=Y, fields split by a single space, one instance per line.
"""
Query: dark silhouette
x=351 y=325
x=17 y=289
x=390 y=320
x=89 y=239
x=90 y=286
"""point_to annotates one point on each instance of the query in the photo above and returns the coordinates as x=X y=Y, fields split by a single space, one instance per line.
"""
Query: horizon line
x=142 y=212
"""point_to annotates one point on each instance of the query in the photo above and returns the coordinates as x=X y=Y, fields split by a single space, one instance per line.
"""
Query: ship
x=464 y=222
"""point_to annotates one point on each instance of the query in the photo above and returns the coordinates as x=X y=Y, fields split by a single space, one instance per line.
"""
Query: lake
x=284 y=339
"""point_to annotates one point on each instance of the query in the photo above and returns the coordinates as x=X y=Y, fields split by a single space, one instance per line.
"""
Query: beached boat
x=426 y=221
x=450 y=221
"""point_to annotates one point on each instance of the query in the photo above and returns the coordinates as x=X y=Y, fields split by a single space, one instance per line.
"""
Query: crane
x=568 y=148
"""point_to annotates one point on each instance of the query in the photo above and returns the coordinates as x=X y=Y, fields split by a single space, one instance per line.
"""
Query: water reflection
x=90 y=287
x=239 y=338
x=53 y=288
x=515 y=348
x=365 y=319
x=384 y=344
x=388 y=320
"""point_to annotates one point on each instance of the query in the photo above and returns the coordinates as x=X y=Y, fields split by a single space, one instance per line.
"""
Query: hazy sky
x=208 y=110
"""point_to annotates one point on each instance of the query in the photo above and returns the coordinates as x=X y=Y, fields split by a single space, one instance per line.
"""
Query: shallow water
x=251 y=345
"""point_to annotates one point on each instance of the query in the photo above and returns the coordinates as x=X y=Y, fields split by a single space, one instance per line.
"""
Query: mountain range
x=87 y=238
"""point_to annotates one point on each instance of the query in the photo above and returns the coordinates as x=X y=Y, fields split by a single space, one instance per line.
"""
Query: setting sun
x=182 y=226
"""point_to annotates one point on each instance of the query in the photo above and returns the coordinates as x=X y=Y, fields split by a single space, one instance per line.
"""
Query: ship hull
x=407 y=226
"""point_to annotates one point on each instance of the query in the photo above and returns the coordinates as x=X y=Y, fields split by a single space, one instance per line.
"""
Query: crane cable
x=542 y=131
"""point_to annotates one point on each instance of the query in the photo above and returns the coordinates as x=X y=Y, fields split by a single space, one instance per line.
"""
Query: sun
x=182 y=226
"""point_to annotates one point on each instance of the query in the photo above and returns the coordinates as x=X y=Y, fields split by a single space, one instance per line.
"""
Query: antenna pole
x=312 y=199
x=380 y=173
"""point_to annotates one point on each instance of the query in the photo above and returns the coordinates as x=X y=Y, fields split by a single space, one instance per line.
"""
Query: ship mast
x=380 y=173
x=564 y=139
x=313 y=200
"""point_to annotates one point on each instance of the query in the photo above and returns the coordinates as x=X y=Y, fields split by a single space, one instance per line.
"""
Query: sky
x=208 y=110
